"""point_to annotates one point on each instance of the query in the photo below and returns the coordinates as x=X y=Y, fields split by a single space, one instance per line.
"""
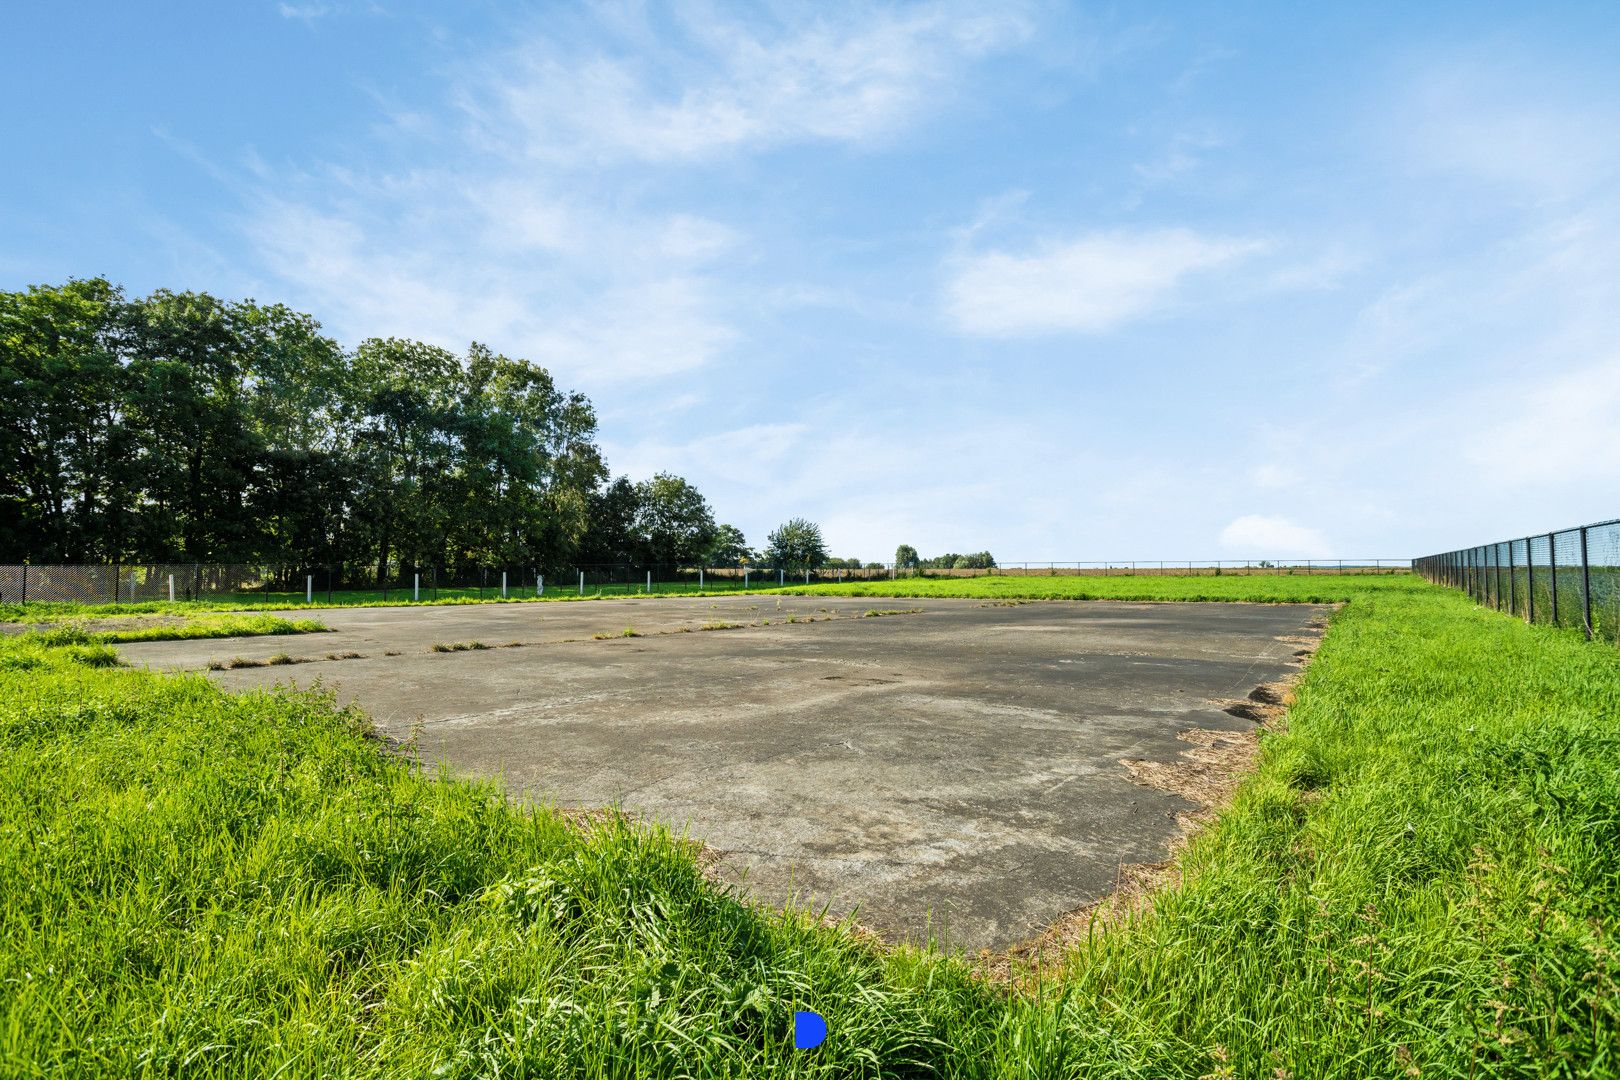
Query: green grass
x=1267 y=589
x=54 y=611
x=1424 y=874
x=200 y=627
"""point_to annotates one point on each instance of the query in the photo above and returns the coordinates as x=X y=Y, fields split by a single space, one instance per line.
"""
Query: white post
x=700 y=579
x=582 y=583
x=807 y=577
x=309 y=588
x=649 y=581
x=171 y=588
x=781 y=576
x=745 y=579
x=539 y=585
x=416 y=586
x=503 y=584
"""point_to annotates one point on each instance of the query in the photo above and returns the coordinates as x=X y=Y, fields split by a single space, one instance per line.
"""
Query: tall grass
x=1421 y=879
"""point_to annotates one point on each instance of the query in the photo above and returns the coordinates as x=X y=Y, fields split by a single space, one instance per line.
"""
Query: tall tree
x=66 y=492
x=796 y=544
x=611 y=536
x=674 y=520
x=181 y=426
x=729 y=547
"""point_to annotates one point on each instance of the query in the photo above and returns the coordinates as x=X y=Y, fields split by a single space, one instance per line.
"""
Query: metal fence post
x=582 y=583
x=25 y=583
x=1512 y=583
x=503 y=584
x=1552 y=565
x=1586 y=587
x=309 y=589
x=118 y=570
x=1529 y=580
x=1496 y=573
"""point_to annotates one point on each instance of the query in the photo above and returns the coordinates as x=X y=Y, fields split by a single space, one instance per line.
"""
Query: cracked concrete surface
x=956 y=771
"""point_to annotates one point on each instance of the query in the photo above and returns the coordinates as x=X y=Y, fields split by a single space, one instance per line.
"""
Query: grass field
x=49 y=611
x=1302 y=588
x=1269 y=589
x=1422 y=878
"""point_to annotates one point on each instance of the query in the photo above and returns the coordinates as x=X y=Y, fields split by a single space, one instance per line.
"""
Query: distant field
x=1422 y=879
x=1267 y=589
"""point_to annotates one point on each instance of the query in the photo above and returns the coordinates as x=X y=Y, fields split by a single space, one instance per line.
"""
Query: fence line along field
x=284 y=584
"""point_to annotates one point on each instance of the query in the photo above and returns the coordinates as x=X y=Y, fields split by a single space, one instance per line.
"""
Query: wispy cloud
x=574 y=262
x=714 y=84
x=1089 y=284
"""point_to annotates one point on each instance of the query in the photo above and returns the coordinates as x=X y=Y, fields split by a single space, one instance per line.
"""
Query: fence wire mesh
x=1568 y=578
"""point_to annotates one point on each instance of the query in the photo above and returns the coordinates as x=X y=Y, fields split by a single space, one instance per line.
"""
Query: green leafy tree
x=182 y=426
x=905 y=557
x=674 y=521
x=730 y=547
x=67 y=490
x=611 y=536
x=795 y=545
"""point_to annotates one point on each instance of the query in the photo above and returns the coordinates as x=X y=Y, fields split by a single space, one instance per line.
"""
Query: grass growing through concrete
x=219 y=626
x=1422 y=879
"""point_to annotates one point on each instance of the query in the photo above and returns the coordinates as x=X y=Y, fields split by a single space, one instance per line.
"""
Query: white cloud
x=715 y=84
x=589 y=269
x=304 y=12
x=1262 y=537
x=1090 y=284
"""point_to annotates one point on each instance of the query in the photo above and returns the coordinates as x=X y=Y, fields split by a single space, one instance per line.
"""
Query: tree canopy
x=796 y=544
x=181 y=427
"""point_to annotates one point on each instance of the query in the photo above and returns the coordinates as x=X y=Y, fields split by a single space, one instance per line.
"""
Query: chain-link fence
x=1568 y=578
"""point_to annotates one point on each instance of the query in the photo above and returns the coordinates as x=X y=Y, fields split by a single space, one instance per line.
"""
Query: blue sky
x=1061 y=281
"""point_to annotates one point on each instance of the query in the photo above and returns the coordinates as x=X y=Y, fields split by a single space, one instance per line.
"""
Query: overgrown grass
x=200 y=627
x=1423 y=875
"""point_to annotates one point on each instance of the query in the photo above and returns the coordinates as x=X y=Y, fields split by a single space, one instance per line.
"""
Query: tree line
x=906 y=558
x=178 y=427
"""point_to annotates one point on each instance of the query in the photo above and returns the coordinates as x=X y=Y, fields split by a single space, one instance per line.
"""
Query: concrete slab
x=955 y=770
